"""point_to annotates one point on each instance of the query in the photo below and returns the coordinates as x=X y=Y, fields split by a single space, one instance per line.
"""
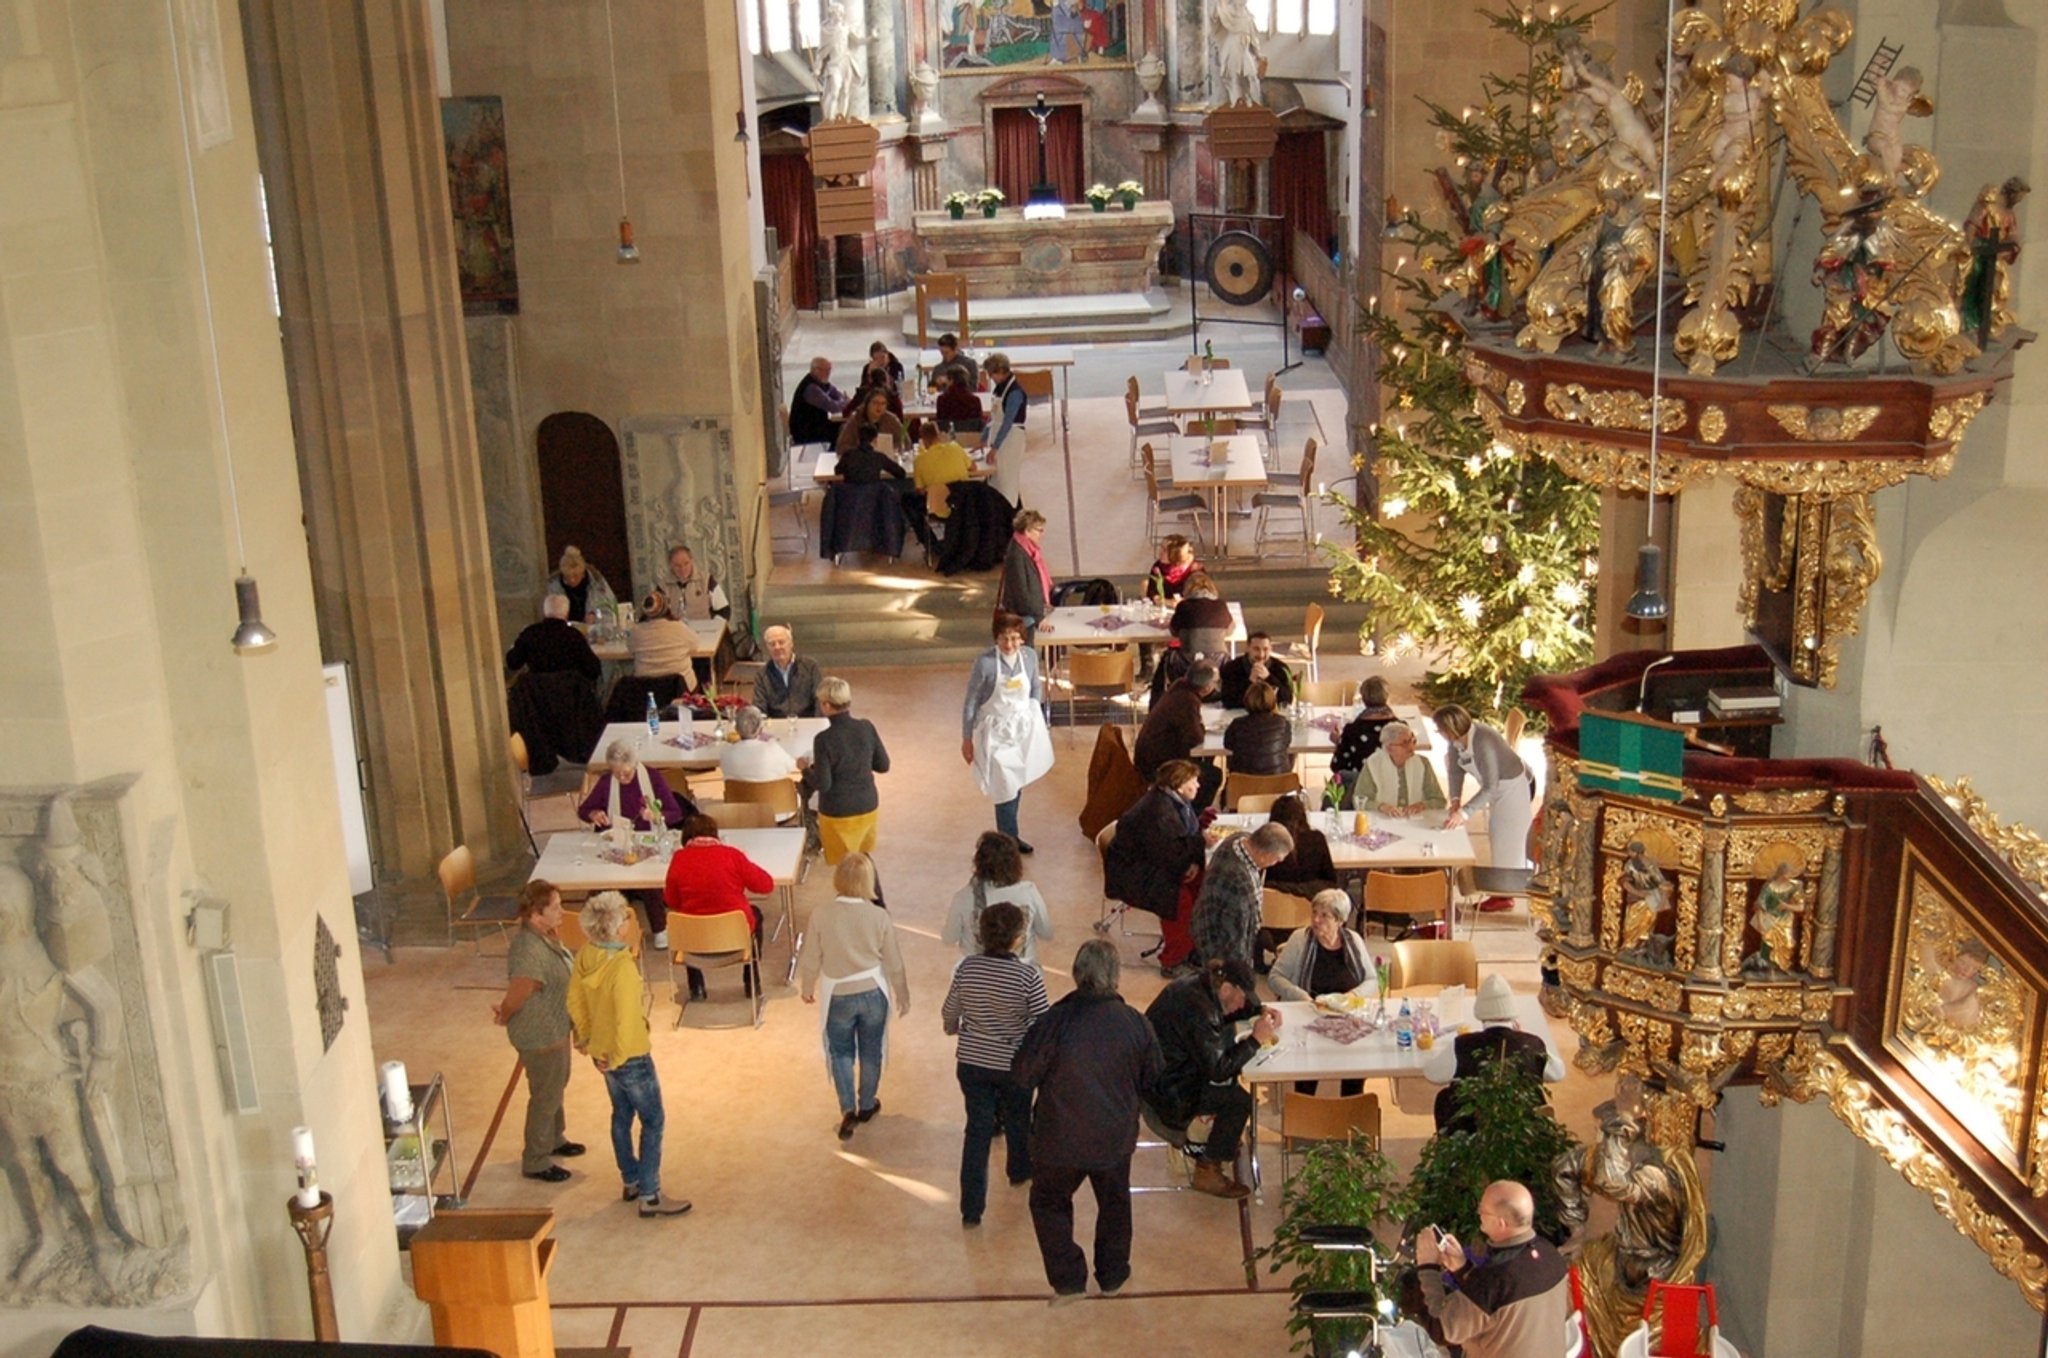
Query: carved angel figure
x=1239 y=63
x=1898 y=98
x=835 y=64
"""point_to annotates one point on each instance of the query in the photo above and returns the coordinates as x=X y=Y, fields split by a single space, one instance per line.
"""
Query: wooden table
x=574 y=862
x=1057 y=359
x=1303 y=1055
x=1215 y=467
x=710 y=632
x=795 y=734
x=1225 y=393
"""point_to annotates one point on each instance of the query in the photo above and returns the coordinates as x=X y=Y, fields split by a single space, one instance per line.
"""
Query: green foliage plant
x=1512 y=1135
x=1335 y=1183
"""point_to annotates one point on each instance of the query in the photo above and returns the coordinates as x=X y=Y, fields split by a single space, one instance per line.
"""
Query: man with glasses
x=1512 y=1301
x=1394 y=782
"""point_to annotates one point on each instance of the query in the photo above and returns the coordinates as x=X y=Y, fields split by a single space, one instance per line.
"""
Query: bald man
x=1513 y=1302
x=788 y=684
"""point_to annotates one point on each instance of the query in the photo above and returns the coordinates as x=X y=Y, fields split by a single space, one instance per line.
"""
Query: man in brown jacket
x=1513 y=1302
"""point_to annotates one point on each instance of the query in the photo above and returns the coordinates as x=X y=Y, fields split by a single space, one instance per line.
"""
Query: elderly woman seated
x=627 y=795
x=1322 y=958
x=751 y=759
x=662 y=643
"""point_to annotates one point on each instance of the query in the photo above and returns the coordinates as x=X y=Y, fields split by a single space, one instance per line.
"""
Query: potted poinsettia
x=958 y=203
x=1129 y=192
x=990 y=199
x=1098 y=196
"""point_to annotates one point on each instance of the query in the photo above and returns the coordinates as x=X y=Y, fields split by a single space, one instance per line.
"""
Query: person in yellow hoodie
x=611 y=1027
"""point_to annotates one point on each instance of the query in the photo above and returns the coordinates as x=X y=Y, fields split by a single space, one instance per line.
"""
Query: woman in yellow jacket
x=611 y=1026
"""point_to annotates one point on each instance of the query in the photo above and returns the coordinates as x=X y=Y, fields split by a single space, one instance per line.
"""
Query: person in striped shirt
x=995 y=998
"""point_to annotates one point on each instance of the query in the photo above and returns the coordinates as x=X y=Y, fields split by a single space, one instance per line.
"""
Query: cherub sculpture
x=1898 y=98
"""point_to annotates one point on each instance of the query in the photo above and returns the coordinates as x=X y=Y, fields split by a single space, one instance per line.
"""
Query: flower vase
x=956 y=210
x=1130 y=202
x=1098 y=205
x=988 y=209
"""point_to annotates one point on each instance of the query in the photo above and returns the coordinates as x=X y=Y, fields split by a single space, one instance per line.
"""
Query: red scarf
x=1037 y=559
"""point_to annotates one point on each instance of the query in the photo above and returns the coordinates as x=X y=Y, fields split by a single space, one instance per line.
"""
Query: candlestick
x=397 y=1092
x=302 y=1160
x=313 y=1221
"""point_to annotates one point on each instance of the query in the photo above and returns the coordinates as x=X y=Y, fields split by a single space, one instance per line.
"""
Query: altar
x=1085 y=252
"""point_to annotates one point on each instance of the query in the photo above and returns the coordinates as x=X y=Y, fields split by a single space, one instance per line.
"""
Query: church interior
x=1648 y=378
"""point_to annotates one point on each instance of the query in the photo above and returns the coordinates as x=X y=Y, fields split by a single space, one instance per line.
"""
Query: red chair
x=1680 y=1335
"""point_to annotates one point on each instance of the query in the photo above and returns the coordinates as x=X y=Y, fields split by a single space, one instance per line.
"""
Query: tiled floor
x=798 y=1241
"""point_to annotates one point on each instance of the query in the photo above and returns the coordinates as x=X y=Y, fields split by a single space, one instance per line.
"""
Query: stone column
x=1827 y=910
x=353 y=164
x=882 y=64
x=1713 y=877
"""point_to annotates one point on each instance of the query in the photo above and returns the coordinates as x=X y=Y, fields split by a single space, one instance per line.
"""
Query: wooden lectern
x=483 y=1272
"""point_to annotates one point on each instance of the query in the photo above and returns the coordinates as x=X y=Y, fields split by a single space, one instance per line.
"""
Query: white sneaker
x=661 y=939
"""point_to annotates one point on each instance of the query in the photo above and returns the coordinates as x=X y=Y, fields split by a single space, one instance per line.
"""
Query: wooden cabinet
x=483 y=1273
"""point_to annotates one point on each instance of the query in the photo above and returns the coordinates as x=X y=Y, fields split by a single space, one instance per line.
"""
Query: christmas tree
x=1479 y=557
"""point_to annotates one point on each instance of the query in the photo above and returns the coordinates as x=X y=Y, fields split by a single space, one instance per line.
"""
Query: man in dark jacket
x=1256 y=665
x=552 y=646
x=1090 y=1058
x=1195 y=1020
x=813 y=404
x=1155 y=858
x=1513 y=1302
x=1173 y=729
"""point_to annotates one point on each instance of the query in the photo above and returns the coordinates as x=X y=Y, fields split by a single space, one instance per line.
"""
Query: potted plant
x=1130 y=191
x=1508 y=1133
x=957 y=203
x=1338 y=1184
x=990 y=200
x=1098 y=196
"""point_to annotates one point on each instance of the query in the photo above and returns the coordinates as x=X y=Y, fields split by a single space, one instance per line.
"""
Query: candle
x=397 y=1092
x=302 y=1160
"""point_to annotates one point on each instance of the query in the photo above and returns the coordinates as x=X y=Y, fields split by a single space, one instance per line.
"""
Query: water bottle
x=1404 y=1028
x=653 y=718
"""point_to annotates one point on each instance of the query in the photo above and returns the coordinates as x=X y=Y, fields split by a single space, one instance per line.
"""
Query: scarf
x=1037 y=559
x=651 y=809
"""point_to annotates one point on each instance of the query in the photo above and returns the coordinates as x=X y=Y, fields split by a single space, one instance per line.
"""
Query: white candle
x=397 y=1092
x=302 y=1160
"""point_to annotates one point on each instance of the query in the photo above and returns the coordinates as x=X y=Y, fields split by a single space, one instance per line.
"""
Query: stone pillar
x=925 y=154
x=1713 y=878
x=882 y=64
x=353 y=164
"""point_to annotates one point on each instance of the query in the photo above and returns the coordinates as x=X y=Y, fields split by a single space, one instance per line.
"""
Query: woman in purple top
x=622 y=797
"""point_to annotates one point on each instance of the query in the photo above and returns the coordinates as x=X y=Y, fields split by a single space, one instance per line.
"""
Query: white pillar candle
x=397 y=1092
x=302 y=1160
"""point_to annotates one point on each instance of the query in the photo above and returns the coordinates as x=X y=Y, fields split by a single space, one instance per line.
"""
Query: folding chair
x=712 y=943
x=1114 y=911
x=1409 y=895
x=1434 y=961
x=1113 y=673
x=457 y=872
x=1314 y=1117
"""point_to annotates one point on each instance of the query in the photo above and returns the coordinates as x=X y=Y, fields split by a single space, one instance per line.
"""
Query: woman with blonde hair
x=583 y=585
x=850 y=958
x=611 y=1028
x=841 y=771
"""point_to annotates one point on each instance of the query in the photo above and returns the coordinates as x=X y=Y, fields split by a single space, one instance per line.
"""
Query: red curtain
x=1016 y=153
x=1301 y=191
x=790 y=206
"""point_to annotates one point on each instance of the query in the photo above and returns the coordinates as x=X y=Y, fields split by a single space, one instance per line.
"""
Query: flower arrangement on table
x=1098 y=196
x=990 y=199
x=713 y=701
x=1130 y=191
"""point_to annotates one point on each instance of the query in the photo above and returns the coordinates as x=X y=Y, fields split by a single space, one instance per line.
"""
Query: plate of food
x=1342 y=1002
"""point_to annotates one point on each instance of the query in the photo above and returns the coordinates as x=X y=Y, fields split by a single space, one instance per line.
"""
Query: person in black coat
x=1234 y=677
x=1361 y=736
x=552 y=646
x=864 y=464
x=813 y=404
x=1155 y=858
x=1026 y=586
x=1201 y=621
x=1090 y=1058
x=1195 y=1020
x=1261 y=741
x=1308 y=869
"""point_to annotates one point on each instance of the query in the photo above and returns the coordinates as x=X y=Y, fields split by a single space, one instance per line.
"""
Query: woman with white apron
x=1504 y=786
x=849 y=961
x=1002 y=727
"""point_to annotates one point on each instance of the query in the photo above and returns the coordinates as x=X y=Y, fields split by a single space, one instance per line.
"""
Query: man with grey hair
x=1393 y=781
x=1226 y=919
x=788 y=684
x=814 y=403
x=1173 y=730
x=751 y=759
x=1090 y=1058
x=551 y=645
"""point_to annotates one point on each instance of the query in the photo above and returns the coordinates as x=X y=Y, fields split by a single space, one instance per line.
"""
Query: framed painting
x=480 y=195
x=1963 y=1017
x=979 y=36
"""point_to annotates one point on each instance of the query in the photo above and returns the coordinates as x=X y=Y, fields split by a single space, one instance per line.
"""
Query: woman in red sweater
x=710 y=877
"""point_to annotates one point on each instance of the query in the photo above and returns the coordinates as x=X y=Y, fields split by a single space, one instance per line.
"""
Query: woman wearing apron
x=1002 y=727
x=851 y=962
x=1504 y=785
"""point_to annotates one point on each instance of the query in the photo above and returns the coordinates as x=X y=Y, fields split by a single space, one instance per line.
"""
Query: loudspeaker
x=231 y=1032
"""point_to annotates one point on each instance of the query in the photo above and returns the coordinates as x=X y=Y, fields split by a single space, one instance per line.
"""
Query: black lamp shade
x=1648 y=602
x=252 y=636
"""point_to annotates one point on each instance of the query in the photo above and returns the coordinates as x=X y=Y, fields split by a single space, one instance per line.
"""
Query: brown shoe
x=1210 y=1178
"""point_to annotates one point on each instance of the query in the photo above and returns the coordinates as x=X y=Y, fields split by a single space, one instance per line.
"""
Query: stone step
x=1118 y=317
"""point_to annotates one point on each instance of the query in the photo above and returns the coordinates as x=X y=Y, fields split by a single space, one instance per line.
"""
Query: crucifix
x=1042 y=191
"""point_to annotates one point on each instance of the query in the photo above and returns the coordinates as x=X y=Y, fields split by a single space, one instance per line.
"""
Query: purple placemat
x=1329 y=723
x=1341 y=1028
x=690 y=740
x=1369 y=841
x=626 y=858
x=1110 y=624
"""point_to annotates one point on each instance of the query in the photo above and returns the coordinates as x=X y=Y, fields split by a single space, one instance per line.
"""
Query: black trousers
x=1052 y=1217
x=1231 y=1106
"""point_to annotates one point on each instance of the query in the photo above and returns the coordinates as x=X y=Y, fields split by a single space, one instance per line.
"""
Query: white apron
x=1012 y=747
x=826 y=985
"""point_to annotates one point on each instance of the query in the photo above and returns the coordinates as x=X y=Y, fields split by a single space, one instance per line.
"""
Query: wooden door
x=583 y=496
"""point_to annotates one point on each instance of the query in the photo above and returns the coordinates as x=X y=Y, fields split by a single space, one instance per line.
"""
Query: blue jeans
x=995 y=1103
x=636 y=1092
x=1006 y=816
x=853 y=1026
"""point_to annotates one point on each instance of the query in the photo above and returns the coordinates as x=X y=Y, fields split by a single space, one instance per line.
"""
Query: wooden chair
x=1277 y=784
x=1310 y=646
x=1145 y=412
x=1114 y=673
x=1517 y=722
x=553 y=815
x=1258 y=803
x=467 y=906
x=1299 y=499
x=1409 y=895
x=1314 y=1117
x=741 y=815
x=1185 y=505
x=712 y=943
x=1434 y=961
x=1142 y=426
x=1037 y=386
x=1283 y=910
x=779 y=795
x=1329 y=692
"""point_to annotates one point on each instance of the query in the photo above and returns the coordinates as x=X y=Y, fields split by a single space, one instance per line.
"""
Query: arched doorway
x=582 y=495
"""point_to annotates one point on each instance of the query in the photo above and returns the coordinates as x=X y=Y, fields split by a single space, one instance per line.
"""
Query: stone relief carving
x=93 y=1217
x=680 y=488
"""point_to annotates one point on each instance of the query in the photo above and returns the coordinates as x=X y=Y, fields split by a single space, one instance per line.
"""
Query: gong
x=1239 y=267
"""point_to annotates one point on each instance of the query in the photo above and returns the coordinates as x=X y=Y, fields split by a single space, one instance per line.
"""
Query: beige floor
x=798 y=1241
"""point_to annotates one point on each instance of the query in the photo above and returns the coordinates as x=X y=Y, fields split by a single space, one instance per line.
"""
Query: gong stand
x=1238 y=266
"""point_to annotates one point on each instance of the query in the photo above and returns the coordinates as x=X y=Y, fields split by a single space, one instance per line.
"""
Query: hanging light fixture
x=1648 y=602
x=628 y=252
x=252 y=635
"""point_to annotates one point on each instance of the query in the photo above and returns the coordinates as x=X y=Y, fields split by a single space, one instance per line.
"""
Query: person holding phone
x=1510 y=1303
